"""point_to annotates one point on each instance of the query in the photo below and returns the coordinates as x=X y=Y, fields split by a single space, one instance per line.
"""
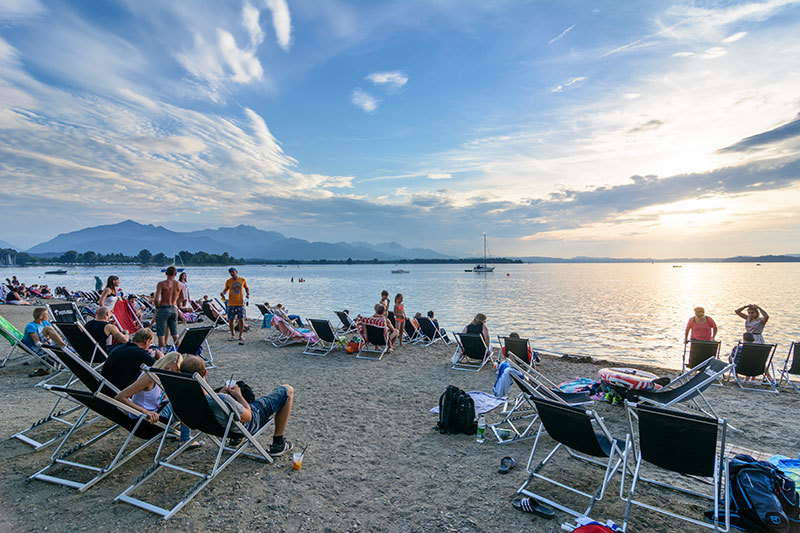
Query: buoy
x=507 y=274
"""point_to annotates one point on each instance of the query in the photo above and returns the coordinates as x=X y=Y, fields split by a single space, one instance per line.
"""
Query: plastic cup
x=297 y=461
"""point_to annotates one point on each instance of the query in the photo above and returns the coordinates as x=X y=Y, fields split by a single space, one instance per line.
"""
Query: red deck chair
x=125 y=317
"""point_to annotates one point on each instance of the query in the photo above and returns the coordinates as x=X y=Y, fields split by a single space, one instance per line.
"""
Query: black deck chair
x=82 y=342
x=376 y=336
x=572 y=429
x=348 y=326
x=688 y=387
x=682 y=443
x=66 y=312
x=193 y=340
x=520 y=347
x=699 y=351
x=326 y=338
x=112 y=410
x=413 y=335
x=754 y=360
x=430 y=331
x=471 y=352
x=791 y=367
x=188 y=396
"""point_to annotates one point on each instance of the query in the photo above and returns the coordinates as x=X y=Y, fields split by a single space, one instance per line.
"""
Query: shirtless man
x=168 y=292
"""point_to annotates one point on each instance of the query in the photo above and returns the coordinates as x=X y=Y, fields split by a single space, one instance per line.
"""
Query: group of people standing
x=702 y=327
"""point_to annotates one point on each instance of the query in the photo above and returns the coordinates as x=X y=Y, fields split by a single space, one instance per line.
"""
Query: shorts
x=166 y=317
x=265 y=407
x=235 y=311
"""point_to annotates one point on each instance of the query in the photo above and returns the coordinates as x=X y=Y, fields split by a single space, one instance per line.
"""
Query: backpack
x=456 y=412
x=763 y=499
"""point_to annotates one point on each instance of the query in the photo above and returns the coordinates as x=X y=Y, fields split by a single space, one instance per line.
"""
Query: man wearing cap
x=234 y=287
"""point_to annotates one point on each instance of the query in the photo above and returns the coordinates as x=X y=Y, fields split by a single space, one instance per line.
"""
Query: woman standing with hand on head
x=754 y=321
x=702 y=327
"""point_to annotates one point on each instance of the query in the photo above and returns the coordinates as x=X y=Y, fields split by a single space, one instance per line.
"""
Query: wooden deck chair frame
x=791 y=367
x=348 y=324
x=195 y=338
x=187 y=409
x=326 y=338
x=573 y=430
x=531 y=384
x=688 y=387
x=430 y=331
x=463 y=356
x=687 y=444
x=698 y=352
x=373 y=335
x=114 y=411
x=755 y=360
x=66 y=312
x=14 y=337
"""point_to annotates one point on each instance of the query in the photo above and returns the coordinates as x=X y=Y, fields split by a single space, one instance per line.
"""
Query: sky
x=560 y=128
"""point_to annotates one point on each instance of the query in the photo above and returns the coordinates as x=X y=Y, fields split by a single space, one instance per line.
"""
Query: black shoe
x=276 y=450
x=235 y=442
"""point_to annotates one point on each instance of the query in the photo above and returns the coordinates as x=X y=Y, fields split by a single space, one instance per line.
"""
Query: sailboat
x=178 y=268
x=484 y=267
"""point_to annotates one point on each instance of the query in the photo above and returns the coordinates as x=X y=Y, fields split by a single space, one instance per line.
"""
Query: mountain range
x=129 y=237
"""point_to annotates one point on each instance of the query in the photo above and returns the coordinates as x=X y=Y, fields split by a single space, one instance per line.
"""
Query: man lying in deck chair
x=41 y=334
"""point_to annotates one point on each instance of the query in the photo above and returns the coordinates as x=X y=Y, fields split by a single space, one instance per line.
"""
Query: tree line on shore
x=144 y=257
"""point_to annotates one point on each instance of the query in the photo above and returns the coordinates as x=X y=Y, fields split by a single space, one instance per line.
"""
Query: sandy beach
x=374 y=462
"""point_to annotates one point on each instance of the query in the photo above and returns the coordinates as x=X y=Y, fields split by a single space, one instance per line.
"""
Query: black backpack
x=763 y=499
x=456 y=412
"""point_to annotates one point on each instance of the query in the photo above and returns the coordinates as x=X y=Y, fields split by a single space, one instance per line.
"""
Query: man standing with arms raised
x=168 y=292
x=234 y=286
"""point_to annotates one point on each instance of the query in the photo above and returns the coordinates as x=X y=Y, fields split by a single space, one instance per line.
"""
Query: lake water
x=617 y=311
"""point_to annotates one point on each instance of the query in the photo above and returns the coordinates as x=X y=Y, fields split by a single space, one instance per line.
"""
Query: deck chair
x=192 y=342
x=89 y=378
x=471 y=352
x=14 y=336
x=682 y=443
x=755 y=360
x=66 y=312
x=82 y=342
x=520 y=347
x=266 y=322
x=688 y=387
x=413 y=333
x=791 y=367
x=326 y=338
x=572 y=429
x=348 y=326
x=290 y=334
x=522 y=416
x=431 y=332
x=188 y=396
x=114 y=411
x=125 y=317
x=699 y=351
x=374 y=333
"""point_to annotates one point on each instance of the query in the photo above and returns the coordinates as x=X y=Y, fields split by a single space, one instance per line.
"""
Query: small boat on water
x=59 y=272
x=400 y=271
x=485 y=266
x=677 y=266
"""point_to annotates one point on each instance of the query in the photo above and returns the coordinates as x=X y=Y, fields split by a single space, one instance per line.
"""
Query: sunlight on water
x=620 y=311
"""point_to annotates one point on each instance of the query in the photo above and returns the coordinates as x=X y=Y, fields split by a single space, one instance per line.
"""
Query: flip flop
x=506 y=464
x=529 y=505
x=197 y=444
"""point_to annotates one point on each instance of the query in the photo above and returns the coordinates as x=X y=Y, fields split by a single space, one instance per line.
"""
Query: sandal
x=197 y=444
x=506 y=464
x=529 y=505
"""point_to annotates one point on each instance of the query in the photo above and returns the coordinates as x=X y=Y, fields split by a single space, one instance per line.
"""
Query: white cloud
x=250 y=17
x=735 y=37
x=364 y=100
x=394 y=78
x=15 y=10
x=440 y=176
x=572 y=81
x=281 y=22
x=560 y=35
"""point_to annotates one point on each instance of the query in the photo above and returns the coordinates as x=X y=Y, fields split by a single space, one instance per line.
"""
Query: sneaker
x=276 y=450
x=40 y=372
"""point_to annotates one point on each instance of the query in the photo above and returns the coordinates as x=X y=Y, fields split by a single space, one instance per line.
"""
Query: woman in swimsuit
x=399 y=316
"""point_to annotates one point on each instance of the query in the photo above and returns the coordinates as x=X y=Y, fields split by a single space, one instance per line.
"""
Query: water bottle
x=481 y=429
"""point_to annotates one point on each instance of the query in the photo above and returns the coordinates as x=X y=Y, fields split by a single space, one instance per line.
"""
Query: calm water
x=621 y=311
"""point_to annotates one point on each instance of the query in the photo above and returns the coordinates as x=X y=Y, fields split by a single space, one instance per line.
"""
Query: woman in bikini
x=399 y=316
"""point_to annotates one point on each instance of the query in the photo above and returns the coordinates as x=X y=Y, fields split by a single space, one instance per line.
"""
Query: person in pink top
x=703 y=327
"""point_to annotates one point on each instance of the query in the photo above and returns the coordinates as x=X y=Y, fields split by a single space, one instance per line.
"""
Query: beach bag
x=763 y=499
x=456 y=412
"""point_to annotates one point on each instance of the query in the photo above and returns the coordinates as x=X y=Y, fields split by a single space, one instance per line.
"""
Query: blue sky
x=563 y=128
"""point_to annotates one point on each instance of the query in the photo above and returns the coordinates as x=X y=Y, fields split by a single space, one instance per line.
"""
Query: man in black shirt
x=122 y=366
x=101 y=329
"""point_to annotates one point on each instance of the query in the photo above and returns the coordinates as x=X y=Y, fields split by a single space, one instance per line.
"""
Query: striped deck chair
x=14 y=336
x=373 y=333
x=289 y=334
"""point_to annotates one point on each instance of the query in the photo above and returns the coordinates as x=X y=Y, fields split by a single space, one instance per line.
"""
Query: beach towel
x=503 y=381
x=484 y=402
x=579 y=385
